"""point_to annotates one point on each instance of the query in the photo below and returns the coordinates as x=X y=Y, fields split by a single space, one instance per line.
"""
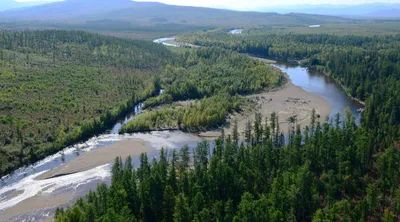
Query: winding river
x=21 y=185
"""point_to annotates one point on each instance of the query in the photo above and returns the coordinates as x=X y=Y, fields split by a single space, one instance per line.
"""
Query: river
x=21 y=185
x=317 y=83
x=235 y=31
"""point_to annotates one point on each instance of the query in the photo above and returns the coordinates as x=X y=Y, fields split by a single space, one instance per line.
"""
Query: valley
x=145 y=111
x=83 y=164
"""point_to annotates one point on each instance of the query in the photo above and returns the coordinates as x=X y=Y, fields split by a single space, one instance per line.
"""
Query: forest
x=367 y=67
x=334 y=170
x=207 y=113
x=218 y=78
x=331 y=171
x=60 y=87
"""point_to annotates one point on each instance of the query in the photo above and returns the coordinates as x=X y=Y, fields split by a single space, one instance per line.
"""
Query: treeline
x=357 y=62
x=61 y=87
x=327 y=172
x=368 y=67
x=84 y=48
x=207 y=113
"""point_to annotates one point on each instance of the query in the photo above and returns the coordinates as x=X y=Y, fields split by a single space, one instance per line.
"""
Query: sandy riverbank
x=288 y=101
x=38 y=202
x=81 y=168
x=98 y=157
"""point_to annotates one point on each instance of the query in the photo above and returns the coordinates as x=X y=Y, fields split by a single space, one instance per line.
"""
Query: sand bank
x=98 y=157
x=44 y=202
x=288 y=101
x=33 y=204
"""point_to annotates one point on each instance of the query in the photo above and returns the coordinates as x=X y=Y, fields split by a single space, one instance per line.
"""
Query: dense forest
x=331 y=171
x=367 y=67
x=196 y=116
x=59 y=87
x=209 y=71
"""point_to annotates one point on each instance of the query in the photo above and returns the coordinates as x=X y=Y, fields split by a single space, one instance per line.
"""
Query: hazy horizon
x=245 y=5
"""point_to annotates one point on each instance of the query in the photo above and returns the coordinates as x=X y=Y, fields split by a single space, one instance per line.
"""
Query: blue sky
x=254 y=4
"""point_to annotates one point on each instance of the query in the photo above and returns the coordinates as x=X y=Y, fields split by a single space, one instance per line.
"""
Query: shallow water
x=163 y=41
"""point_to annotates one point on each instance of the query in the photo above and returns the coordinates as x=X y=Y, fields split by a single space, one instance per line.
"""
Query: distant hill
x=122 y=13
x=374 y=10
x=386 y=13
x=10 y=4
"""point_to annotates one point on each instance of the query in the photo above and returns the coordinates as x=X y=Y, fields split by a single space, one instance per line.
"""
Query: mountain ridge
x=356 y=11
x=11 y=4
x=151 y=13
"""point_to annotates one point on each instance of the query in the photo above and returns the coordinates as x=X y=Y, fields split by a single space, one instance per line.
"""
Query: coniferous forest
x=367 y=67
x=61 y=87
x=329 y=171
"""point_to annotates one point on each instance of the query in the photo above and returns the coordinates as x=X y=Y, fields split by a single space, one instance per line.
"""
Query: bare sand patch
x=33 y=204
x=98 y=157
x=289 y=101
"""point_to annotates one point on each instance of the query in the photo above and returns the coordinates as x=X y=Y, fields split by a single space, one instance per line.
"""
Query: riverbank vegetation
x=60 y=87
x=367 y=67
x=356 y=62
x=207 y=113
x=332 y=171
x=216 y=77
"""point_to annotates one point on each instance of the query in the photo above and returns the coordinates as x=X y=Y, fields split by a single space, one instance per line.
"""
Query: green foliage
x=215 y=76
x=208 y=113
x=60 y=87
x=318 y=176
x=209 y=71
x=326 y=172
x=366 y=66
x=334 y=171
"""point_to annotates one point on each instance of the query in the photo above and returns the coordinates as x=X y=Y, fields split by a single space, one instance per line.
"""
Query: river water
x=21 y=185
x=235 y=31
x=317 y=83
